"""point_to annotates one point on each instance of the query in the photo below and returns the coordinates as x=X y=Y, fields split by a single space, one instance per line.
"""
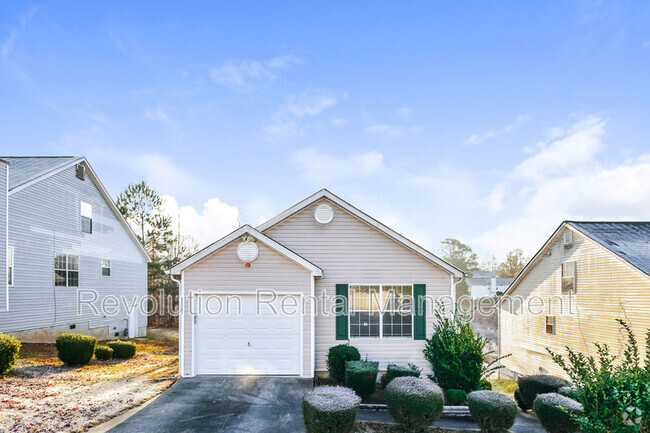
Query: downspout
x=181 y=306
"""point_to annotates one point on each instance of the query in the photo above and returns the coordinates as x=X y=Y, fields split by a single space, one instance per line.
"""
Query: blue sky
x=487 y=121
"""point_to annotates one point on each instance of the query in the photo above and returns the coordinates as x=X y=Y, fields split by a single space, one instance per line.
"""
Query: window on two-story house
x=66 y=270
x=394 y=319
x=550 y=324
x=86 y=217
x=568 y=277
x=10 y=266
x=106 y=268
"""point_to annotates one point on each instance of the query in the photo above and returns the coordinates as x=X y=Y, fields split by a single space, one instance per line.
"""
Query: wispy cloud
x=388 y=130
x=241 y=75
x=339 y=122
x=286 y=121
x=7 y=45
x=321 y=167
x=404 y=112
x=492 y=133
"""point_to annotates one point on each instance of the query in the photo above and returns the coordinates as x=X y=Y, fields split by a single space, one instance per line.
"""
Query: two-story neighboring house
x=485 y=284
x=64 y=241
x=587 y=275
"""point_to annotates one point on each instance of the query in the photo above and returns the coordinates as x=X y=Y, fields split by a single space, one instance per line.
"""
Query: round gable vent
x=247 y=251
x=324 y=213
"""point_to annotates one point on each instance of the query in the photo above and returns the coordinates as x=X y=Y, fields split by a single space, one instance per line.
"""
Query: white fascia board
x=243 y=230
x=324 y=193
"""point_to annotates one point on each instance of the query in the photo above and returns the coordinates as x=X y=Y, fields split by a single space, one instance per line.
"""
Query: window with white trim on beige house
x=393 y=319
x=569 y=277
x=550 y=324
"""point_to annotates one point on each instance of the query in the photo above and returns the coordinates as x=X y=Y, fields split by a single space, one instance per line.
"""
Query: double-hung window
x=550 y=324
x=10 y=266
x=86 y=217
x=106 y=268
x=568 y=277
x=66 y=270
x=381 y=310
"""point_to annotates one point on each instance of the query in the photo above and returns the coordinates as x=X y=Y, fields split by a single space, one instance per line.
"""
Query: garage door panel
x=245 y=342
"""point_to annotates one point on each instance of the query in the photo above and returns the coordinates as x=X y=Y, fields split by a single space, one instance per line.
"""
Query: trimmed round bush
x=456 y=397
x=330 y=409
x=484 y=385
x=492 y=411
x=336 y=358
x=532 y=386
x=361 y=376
x=123 y=349
x=568 y=391
x=75 y=349
x=394 y=370
x=103 y=353
x=9 y=351
x=554 y=412
x=414 y=403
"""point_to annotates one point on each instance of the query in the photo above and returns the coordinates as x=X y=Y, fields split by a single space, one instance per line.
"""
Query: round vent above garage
x=247 y=250
x=324 y=213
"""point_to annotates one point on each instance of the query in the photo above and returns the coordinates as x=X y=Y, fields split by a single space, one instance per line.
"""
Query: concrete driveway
x=224 y=403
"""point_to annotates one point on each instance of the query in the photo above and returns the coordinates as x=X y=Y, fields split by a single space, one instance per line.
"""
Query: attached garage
x=234 y=336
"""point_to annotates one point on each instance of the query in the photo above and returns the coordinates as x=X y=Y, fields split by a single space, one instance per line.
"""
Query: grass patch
x=504 y=386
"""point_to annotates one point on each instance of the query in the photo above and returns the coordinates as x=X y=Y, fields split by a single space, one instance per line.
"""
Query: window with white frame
x=66 y=270
x=86 y=217
x=550 y=324
x=106 y=268
x=568 y=277
x=10 y=266
x=381 y=310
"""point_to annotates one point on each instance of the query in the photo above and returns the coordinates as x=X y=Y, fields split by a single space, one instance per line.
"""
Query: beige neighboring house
x=322 y=247
x=587 y=275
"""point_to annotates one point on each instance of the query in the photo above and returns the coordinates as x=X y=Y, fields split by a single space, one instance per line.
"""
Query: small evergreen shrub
x=531 y=386
x=75 y=349
x=569 y=391
x=123 y=349
x=414 y=403
x=103 y=353
x=456 y=397
x=484 y=385
x=557 y=413
x=336 y=358
x=361 y=376
x=9 y=351
x=394 y=370
x=330 y=409
x=492 y=411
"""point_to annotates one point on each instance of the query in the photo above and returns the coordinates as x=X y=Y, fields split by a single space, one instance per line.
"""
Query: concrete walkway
x=224 y=403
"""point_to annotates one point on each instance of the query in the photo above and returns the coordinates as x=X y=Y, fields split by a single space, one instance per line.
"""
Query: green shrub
x=456 y=397
x=414 y=403
x=532 y=386
x=336 y=358
x=393 y=371
x=569 y=391
x=75 y=349
x=557 y=413
x=361 y=376
x=492 y=411
x=330 y=409
x=9 y=351
x=123 y=349
x=457 y=354
x=613 y=392
x=103 y=353
x=484 y=385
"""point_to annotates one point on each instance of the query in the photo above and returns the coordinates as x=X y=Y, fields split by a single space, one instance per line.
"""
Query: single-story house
x=62 y=236
x=320 y=257
x=484 y=284
x=587 y=275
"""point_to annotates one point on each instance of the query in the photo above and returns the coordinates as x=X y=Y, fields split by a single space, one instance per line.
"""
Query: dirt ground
x=42 y=395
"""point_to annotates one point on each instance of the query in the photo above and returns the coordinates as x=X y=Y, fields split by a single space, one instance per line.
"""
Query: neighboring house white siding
x=44 y=219
x=350 y=251
x=3 y=235
x=223 y=272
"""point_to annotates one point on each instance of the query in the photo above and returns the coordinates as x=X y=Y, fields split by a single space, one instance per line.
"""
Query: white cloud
x=210 y=224
x=339 y=123
x=565 y=180
x=320 y=167
x=404 y=112
x=387 y=130
x=285 y=122
x=162 y=172
x=241 y=74
x=480 y=138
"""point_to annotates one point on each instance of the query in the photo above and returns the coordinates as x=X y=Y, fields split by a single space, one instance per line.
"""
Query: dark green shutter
x=419 y=319
x=341 y=311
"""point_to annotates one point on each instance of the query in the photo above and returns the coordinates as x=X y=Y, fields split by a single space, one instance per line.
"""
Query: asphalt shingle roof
x=22 y=169
x=628 y=240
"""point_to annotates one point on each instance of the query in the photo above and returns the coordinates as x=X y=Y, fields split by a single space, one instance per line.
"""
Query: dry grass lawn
x=42 y=395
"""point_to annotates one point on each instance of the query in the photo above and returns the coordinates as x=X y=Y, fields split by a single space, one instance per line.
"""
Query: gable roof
x=261 y=237
x=324 y=193
x=629 y=241
x=28 y=170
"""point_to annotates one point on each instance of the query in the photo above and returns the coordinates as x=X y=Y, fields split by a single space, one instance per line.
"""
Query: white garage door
x=232 y=337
